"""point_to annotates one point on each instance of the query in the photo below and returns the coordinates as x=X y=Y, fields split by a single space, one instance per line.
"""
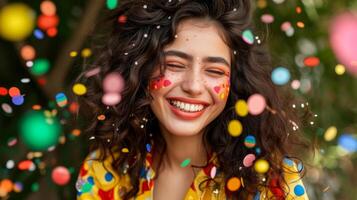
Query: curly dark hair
x=135 y=56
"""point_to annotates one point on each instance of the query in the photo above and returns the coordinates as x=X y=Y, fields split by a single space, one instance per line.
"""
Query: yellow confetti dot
x=233 y=184
x=262 y=4
x=261 y=166
x=340 y=69
x=101 y=117
x=73 y=54
x=330 y=133
x=79 y=89
x=235 y=128
x=86 y=53
x=125 y=150
x=241 y=108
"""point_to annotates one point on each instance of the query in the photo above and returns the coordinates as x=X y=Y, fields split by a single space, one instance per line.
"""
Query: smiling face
x=193 y=90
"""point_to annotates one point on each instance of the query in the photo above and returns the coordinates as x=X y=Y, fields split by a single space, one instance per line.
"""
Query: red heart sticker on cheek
x=217 y=89
x=167 y=83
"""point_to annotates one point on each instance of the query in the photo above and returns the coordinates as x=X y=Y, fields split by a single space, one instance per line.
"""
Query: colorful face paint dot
x=185 y=163
x=288 y=162
x=241 y=108
x=280 y=76
x=79 y=89
x=261 y=166
x=235 y=128
x=233 y=184
x=256 y=104
x=248 y=36
x=248 y=160
x=249 y=141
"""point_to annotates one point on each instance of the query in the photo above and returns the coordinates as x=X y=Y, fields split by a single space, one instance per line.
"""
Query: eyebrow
x=186 y=56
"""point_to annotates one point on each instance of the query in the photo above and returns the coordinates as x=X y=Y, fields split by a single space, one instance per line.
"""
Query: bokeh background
x=44 y=45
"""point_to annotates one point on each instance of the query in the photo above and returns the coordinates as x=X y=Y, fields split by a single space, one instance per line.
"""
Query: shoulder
x=98 y=179
x=293 y=177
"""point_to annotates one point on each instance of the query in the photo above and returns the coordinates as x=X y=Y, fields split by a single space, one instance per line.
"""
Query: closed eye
x=176 y=66
x=216 y=72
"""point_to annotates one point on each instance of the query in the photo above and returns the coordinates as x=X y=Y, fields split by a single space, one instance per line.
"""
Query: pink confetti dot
x=256 y=104
x=267 y=18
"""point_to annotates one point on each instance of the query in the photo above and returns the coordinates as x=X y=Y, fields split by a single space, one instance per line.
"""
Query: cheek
x=221 y=88
x=162 y=81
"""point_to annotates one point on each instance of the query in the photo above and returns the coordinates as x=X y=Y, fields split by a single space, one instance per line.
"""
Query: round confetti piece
x=148 y=147
x=61 y=99
x=235 y=128
x=73 y=53
x=60 y=175
x=12 y=142
x=261 y=166
x=241 y=108
x=125 y=150
x=6 y=108
x=286 y=26
x=38 y=34
x=101 y=117
x=25 y=80
x=185 y=163
x=249 y=141
x=25 y=165
x=233 y=184
x=112 y=4
x=278 y=1
x=330 y=133
x=340 y=69
x=52 y=32
x=113 y=82
x=295 y=84
x=18 y=100
x=347 y=142
x=17 y=21
x=79 y=89
x=248 y=160
x=111 y=99
x=299 y=190
x=256 y=104
x=248 y=36
x=6 y=185
x=27 y=52
x=45 y=22
x=40 y=66
x=122 y=19
x=3 y=91
x=311 y=61
x=267 y=18
x=280 y=76
x=48 y=8
x=86 y=53
x=14 y=91
x=76 y=132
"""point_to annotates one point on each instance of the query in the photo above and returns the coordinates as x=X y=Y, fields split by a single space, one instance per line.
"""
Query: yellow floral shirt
x=98 y=181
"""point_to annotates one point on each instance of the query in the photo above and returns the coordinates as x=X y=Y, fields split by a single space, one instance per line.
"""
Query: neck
x=180 y=148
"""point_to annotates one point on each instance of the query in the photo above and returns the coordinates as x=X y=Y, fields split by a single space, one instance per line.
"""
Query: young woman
x=172 y=83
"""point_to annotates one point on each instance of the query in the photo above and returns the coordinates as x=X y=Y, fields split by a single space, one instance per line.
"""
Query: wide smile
x=186 y=111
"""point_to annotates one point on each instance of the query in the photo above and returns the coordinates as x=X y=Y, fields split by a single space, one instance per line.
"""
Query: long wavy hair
x=134 y=47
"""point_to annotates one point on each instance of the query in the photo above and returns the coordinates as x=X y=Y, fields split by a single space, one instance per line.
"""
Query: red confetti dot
x=122 y=19
x=25 y=165
x=311 y=61
x=14 y=91
x=3 y=91
x=45 y=22
x=60 y=175
x=52 y=32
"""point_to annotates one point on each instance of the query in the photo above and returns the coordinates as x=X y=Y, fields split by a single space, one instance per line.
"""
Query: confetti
x=6 y=108
x=61 y=99
x=18 y=100
x=86 y=53
x=79 y=89
x=267 y=18
x=249 y=141
x=311 y=61
x=241 y=108
x=40 y=67
x=185 y=163
x=28 y=52
x=112 y=4
x=233 y=184
x=248 y=36
x=330 y=133
x=235 y=128
x=14 y=91
x=48 y=8
x=280 y=76
x=261 y=166
x=248 y=160
x=256 y=104
x=60 y=175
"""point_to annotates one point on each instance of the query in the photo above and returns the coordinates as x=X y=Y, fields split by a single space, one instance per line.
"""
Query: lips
x=186 y=115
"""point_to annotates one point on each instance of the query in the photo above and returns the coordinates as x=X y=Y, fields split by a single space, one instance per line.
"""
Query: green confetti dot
x=185 y=162
x=35 y=187
x=112 y=4
x=40 y=67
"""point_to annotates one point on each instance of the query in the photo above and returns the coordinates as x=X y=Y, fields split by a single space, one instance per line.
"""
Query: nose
x=193 y=83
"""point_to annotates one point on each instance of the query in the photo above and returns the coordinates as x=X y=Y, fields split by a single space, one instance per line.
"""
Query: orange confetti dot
x=76 y=132
x=52 y=32
x=311 y=61
x=36 y=107
x=233 y=184
x=101 y=117
x=24 y=165
x=298 y=10
x=6 y=185
x=28 y=52
x=14 y=91
x=48 y=8
x=300 y=24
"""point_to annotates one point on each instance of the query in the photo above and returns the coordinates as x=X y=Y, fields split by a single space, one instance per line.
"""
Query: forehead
x=200 y=38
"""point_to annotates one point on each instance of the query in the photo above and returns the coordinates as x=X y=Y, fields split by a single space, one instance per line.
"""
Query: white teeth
x=187 y=106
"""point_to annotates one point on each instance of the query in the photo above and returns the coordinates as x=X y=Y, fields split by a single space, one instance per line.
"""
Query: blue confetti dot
x=258 y=150
x=348 y=143
x=280 y=75
x=38 y=34
x=90 y=180
x=108 y=176
x=148 y=147
x=299 y=190
x=18 y=100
